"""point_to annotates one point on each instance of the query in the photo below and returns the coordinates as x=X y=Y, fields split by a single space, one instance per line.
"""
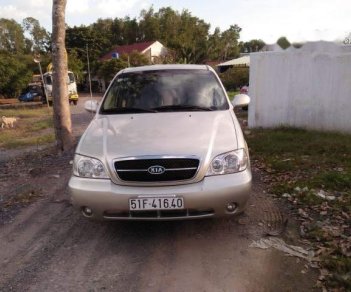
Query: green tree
x=283 y=43
x=103 y=27
x=14 y=75
x=181 y=32
x=78 y=37
x=254 y=45
x=224 y=45
x=40 y=38
x=117 y=32
x=169 y=23
x=123 y=31
x=131 y=32
x=214 y=45
x=235 y=77
x=230 y=39
x=193 y=33
x=75 y=64
x=149 y=25
x=185 y=35
x=11 y=36
x=108 y=69
x=135 y=59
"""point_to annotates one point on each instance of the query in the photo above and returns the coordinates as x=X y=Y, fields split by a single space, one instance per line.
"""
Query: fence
x=308 y=87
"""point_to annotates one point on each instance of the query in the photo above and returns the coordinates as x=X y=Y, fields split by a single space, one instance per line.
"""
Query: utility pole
x=37 y=60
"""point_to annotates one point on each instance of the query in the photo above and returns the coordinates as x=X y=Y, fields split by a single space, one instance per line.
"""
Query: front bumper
x=73 y=97
x=207 y=198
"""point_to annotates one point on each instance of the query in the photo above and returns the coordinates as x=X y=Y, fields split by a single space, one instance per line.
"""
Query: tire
x=75 y=102
x=50 y=102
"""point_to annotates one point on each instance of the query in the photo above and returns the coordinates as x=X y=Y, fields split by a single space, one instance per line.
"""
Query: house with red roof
x=152 y=49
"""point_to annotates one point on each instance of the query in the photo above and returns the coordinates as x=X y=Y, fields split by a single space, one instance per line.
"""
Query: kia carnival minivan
x=164 y=144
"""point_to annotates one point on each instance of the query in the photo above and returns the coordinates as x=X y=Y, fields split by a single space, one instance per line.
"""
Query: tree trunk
x=62 y=114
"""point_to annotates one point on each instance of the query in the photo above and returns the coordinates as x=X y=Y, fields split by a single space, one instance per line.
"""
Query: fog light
x=87 y=212
x=231 y=207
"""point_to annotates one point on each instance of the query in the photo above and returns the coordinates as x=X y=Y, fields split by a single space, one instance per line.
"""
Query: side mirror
x=240 y=100
x=91 y=106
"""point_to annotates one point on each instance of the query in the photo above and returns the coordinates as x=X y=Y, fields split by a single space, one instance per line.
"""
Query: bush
x=108 y=69
x=14 y=75
x=235 y=77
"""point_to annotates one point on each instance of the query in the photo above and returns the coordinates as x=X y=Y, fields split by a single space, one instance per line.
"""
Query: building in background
x=153 y=50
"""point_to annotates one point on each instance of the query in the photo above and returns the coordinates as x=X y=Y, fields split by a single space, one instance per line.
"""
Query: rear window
x=173 y=90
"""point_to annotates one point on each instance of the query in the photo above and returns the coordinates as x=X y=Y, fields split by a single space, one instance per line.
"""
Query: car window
x=171 y=89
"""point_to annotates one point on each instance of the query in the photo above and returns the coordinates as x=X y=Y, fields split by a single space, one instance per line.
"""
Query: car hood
x=201 y=134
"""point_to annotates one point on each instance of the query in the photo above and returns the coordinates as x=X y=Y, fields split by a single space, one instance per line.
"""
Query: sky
x=298 y=20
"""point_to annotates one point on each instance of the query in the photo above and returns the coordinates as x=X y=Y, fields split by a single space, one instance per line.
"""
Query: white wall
x=157 y=50
x=308 y=87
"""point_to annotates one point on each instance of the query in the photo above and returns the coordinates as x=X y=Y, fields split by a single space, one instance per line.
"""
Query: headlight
x=88 y=167
x=229 y=162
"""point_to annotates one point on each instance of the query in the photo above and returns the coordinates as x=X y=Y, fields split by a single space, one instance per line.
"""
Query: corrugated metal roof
x=242 y=61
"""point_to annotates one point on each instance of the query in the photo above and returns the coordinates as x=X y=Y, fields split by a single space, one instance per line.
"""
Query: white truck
x=71 y=83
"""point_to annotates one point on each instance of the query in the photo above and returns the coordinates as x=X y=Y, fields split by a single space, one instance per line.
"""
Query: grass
x=26 y=112
x=33 y=127
x=342 y=266
x=311 y=158
x=291 y=158
x=232 y=93
x=28 y=141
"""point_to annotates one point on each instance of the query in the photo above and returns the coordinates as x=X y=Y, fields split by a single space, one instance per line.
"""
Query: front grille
x=174 y=169
x=159 y=214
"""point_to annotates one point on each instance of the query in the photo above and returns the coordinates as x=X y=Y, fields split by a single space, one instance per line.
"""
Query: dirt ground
x=46 y=245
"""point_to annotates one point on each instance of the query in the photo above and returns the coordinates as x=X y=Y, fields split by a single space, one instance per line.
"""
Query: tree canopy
x=186 y=35
x=11 y=36
x=283 y=43
x=188 y=39
x=14 y=75
x=39 y=37
x=251 y=46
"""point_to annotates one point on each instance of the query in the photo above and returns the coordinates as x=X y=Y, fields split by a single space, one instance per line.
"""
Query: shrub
x=14 y=75
x=235 y=77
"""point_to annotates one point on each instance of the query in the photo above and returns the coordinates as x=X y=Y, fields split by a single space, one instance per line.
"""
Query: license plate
x=156 y=203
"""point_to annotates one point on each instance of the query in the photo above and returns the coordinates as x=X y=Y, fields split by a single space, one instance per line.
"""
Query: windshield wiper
x=180 y=107
x=126 y=110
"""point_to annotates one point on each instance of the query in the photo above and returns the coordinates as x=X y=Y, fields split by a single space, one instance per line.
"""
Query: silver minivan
x=164 y=144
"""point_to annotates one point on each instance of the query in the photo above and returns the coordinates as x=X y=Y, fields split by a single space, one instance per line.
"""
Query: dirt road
x=48 y=246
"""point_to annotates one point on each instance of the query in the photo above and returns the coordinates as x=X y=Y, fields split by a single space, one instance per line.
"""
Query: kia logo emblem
x=156 y=169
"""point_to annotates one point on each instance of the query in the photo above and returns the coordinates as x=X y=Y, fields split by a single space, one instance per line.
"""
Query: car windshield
x=70 y=78
x=164 y=90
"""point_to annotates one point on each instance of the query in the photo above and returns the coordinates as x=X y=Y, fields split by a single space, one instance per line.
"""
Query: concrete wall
x=308 y=87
